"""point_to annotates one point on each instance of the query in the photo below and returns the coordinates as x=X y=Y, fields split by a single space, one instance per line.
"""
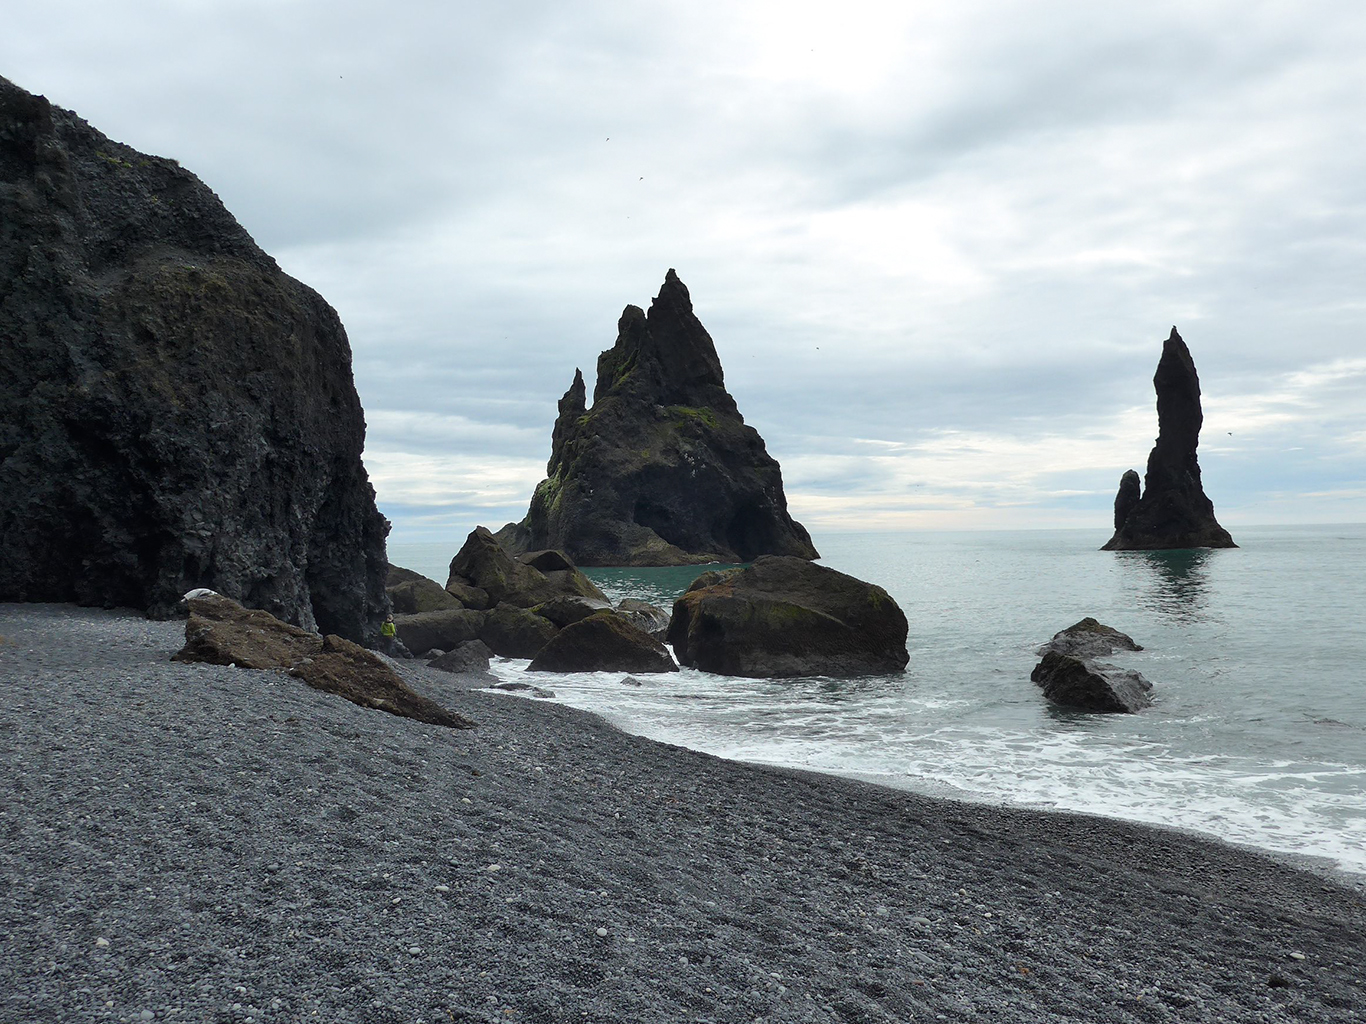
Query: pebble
x=1297 y=955
x=101 y=941
x=414 y=950
x=602 y=933
x=147 y=1015
x=443 y=888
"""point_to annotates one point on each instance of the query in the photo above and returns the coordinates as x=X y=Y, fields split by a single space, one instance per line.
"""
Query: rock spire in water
x=175 y=411
x=1172 y=511
x=662 y=470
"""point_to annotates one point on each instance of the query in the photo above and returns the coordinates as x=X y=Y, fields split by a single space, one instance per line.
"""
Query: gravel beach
x=199 y=843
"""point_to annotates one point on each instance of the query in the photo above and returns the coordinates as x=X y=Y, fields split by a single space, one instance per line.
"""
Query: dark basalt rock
x=220 y=631
x=410 y=593
x=1173 y=511
x=603 y=642
x=175 y=411
x=786 y=617
x=646 y=616
x=662 y=470
x=565 y=611
x=1086 y=685
x=1089 y=639
x=471 y=658
x=441 y=629
x=482 y=563
x=513 y=632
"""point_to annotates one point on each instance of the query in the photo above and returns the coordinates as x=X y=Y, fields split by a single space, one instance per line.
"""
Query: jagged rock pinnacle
x=662 y=470
x=1173 y=511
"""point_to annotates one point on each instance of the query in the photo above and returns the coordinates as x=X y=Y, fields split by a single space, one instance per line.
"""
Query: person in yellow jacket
x=388 y=635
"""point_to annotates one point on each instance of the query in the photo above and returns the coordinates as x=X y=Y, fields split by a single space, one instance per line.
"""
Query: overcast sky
x=938 y=245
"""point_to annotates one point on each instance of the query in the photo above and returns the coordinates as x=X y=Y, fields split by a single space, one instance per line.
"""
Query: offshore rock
x=1089 y=639
x=175 y=411
x=1173 y=511
x=1086 y=685
x=785 y=617
x=603 y=642
x=220 y=631
x=662 y=470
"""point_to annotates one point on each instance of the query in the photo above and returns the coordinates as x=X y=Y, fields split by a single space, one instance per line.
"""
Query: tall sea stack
x=662 y=470
x=175 y=411
x=1172 y=511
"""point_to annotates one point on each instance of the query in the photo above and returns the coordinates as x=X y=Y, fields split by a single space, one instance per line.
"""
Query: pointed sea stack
x=175 y=411
x=1172 y=511
x=662 y=470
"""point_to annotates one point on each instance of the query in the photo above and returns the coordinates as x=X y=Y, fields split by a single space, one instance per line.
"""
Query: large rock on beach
x=603 y=642
x=175 y=411
x=784 y=617
x=1086 y=685
x=471 y=658
x=662 y=470
x=651 y=618
x=440 y=629
x=1172 y=511
x=1089 y=639
x=513 y=632
x=220 y=631
x=482 y=563
x=565 y=611
x=414 y=593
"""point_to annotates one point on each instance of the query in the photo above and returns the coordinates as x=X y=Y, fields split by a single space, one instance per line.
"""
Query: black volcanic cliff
x=1172 y=511
x=662 y=470
x=175 y=411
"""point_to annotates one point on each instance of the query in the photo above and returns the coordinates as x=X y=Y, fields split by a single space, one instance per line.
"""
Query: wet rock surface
x=603 y=642
x=787 y=617
x=1173 y=511
x=190 y=837
x=175 y=411
x=1086 y=685
x=662 y=470
x=1089 y=638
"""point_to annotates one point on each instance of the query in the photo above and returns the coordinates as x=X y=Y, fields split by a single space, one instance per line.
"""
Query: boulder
x=468 y=595
x=471 y=657
x=1086 y=685
x=513 y=632
x=566 y=610
x=420 y=595
x=483 y=563
x=663 y=469
x=1172 y=511
x=604 y=642
x=443 y=629
x=1089 y=639
x=643 y=615
x=784 y=617
x=175 y=411
x=220 y=631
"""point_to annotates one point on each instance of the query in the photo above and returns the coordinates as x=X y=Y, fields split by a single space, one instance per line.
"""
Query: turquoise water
x=1257 y=656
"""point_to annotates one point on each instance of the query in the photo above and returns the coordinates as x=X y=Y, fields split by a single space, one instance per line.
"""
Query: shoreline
x=222 y=829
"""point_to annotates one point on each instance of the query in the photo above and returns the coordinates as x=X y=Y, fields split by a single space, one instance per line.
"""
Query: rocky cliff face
x=175 y=411
x=662 y=470
x=1172 y=511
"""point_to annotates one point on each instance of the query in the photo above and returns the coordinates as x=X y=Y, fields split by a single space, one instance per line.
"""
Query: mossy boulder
x=513 y=632
x=441 y=630
x=784 y=617
x=419 y=594
x=603 y=642
x=663 y=469
x=482 y=563
x=1089 y=638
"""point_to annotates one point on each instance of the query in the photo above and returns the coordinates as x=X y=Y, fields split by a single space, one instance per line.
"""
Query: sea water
x=1257 y=657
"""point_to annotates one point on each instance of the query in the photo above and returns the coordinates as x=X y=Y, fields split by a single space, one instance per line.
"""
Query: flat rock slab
x=219 y=631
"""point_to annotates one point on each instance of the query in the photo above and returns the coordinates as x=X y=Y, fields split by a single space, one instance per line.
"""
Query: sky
x=938 y=245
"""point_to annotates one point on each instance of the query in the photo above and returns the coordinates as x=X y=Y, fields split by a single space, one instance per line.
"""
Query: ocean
x=1257 y=657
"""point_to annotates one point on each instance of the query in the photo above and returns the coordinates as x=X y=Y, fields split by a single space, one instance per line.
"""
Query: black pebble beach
x=196 y=843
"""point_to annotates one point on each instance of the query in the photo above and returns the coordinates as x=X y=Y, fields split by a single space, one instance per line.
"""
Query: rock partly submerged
x=219 y=631
x=662 y=469
x=783 y=617
x=1089 y=638
x=1172 y=511
x=1087 y=685
x=175 y=411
